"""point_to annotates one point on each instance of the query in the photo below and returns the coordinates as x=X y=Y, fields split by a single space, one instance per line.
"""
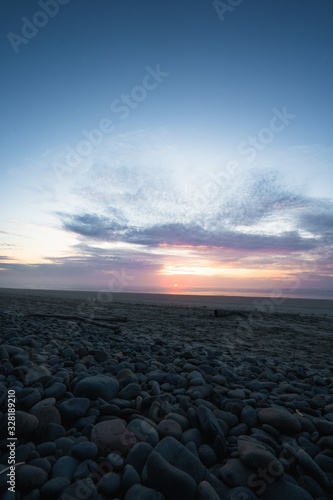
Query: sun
x=175 y=284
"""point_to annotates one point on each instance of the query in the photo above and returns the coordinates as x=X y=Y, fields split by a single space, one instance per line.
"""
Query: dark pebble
x=54 y=487
x=84 y=488
x=140 y=492
x=110 y=484
x=85 y=450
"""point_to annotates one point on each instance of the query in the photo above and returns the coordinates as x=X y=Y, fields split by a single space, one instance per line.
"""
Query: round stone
x=169 y=480
x=130 y=391
x=28 y=397
x=85 y=450
x=37 y=374
x=110 y=484
x=116 y=461
x=65 y=467
x=138 y=455
x=169 y=428
x=143 y=431
x=129 y=478
x=112 y=435
x=280 y=419
x=47 y=415
x=56 y=390
x=54 y=487
x=29 y=477
x=25 y=423
x=74 y=408
x=98 y=386
x=256 y=456
x=140 y=492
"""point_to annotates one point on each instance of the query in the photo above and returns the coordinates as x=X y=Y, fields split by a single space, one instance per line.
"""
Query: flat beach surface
x=295 y=329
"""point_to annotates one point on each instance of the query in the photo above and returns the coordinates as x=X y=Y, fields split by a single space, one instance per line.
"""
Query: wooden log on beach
x=76 y=318
x=221 y=313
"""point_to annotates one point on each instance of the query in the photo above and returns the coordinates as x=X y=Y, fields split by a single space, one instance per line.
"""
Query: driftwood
x=221 y=313
x=78 y=318
x=111 y=318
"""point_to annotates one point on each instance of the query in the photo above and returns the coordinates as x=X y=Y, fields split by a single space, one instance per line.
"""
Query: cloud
x=140 y=205
x=194 y=235
x=318 y=223
x=92 y=225
x=14 y=234
x=105 y=229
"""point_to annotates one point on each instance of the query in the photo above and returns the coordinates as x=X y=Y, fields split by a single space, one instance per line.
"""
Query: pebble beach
x=165 y=397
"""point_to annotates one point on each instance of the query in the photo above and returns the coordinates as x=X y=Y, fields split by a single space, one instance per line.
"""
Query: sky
x=167 y=145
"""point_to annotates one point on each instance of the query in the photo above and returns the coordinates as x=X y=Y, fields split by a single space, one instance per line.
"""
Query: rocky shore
x=168 y=403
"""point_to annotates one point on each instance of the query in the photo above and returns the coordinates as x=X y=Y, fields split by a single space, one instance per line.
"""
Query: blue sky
x=167 y=143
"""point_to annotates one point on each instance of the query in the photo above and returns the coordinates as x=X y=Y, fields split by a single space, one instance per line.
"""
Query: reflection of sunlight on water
x=176 y=289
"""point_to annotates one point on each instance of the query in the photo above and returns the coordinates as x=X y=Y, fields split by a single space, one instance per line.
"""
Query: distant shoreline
x=259 y=303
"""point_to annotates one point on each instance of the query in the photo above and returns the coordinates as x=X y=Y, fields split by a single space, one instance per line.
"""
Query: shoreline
x=262 y=304
x=296 y=329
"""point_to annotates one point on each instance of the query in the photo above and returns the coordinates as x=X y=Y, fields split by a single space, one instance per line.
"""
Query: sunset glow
x=163 y=161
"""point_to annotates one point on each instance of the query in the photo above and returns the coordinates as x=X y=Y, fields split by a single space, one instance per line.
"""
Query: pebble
x=46 y=415
x=112 y=435
x=207 y=492
x=84 y=451
x=130 y=391
x=53 y=432
x=207 y=455
x=324 y=462
x=256 y=456
x=235 y=473
x=110 y=484
x=313 y=469
x=22 y=452
x=42 y=463
x=37 y=374
x=311 y=486
x=28 y=397
x=129 y=478
x=56 y=390
x=168 y=480
x=280 y=419
x=54 y=487
x=29 y=477
x=64 y=444
x=143 y=431
x=117 y=461
x=98 y=386
x=82 y=489
x=154 y=419
x=140 y=492
x=324 y=426
x=100 y=356
x=208 y=423
x=241 y=493
x=280 y=489
x=138 y=455
x=25 y=423
x=169 y=427
x=65 y=467
x=74 y=408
